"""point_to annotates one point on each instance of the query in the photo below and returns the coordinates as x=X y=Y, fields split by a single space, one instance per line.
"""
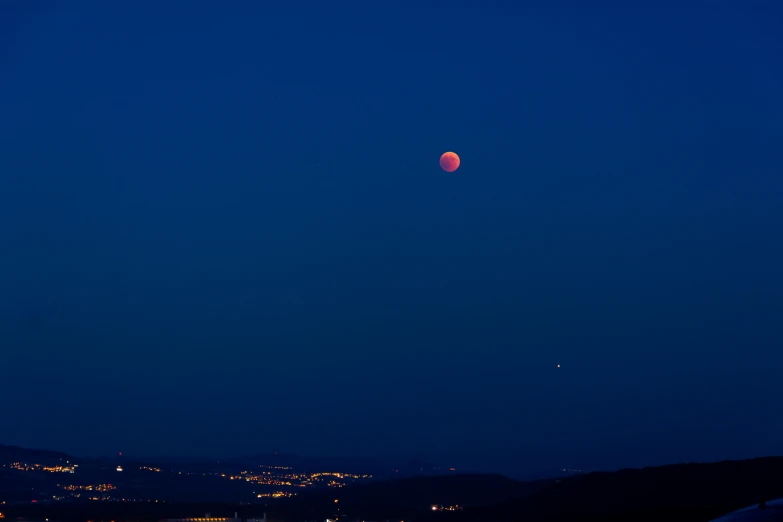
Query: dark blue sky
x=225 y=230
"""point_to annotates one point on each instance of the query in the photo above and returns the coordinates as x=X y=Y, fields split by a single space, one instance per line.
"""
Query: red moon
x=449 y=162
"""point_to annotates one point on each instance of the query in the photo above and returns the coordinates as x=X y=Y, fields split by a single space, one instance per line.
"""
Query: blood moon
x=449 y=161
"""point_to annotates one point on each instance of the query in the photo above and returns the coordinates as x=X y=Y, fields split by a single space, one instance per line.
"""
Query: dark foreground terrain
x=686 y=492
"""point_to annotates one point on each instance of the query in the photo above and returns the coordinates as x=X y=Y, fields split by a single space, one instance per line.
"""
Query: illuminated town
x=300 y=479
x=276 y=494
x=436 y=507
x=273 y=482
x=102 y=488
x=21 y=466
x=43 y=480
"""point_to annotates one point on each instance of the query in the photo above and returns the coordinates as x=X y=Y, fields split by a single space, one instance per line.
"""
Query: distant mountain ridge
x=19 y=453
x=388 y=468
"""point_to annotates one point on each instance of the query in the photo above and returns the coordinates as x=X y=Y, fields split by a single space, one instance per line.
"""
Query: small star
x=558 y=366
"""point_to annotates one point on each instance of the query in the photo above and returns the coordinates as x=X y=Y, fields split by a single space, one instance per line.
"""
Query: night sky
x=225 y=230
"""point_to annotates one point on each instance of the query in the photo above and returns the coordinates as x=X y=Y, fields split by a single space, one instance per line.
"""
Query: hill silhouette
x=16 y=453
x=422 y=492
x=674 y=492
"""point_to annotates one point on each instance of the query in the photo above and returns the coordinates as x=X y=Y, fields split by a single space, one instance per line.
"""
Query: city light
x=284 y=481
x=21 y=466
x=98 y=487
x=276 y=494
